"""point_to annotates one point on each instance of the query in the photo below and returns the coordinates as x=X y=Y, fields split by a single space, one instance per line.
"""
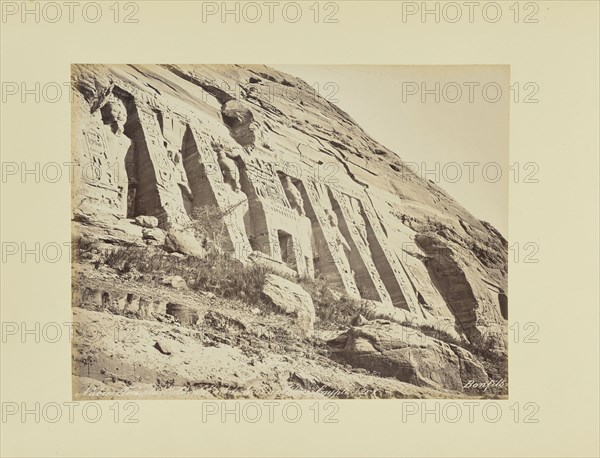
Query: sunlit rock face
x=300 y=184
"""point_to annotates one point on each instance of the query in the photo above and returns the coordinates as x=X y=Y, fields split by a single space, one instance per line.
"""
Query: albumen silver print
x=238 y=235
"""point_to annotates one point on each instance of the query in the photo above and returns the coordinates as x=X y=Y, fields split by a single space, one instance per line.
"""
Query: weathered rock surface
x=409 y=355
x=291 y=299
x=174 y=281
x=182 y=313
x=183 y=242
x=163 y=346
x=154 y=236
x=153 y=359
x=147 y=221
x=291 y=183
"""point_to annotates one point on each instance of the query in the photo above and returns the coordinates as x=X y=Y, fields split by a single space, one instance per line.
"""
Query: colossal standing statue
x=294 y=196
x=121 y=148
x=229 y=170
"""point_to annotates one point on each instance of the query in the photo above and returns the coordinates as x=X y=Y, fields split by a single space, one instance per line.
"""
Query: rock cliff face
x=301 y=187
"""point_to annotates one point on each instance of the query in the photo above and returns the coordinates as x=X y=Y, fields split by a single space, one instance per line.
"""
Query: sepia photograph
x=238 y=235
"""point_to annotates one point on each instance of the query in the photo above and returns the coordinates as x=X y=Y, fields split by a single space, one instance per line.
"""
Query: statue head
x=114 y=113
x=216 y=145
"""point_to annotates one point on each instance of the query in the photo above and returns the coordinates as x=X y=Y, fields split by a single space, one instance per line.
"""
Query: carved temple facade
x=137 y=157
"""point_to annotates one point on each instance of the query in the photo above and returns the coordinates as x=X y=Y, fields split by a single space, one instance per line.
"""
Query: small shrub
x=209 y=225
x=227 y=277
x=125 y=258
x=82 y=246
x=332 y=308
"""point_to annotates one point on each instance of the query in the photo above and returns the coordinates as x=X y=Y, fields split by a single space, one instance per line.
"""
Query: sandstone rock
x=184 y=242
x=471 y=299
x=410 y=356
x=260 y=259
x=108 y=232
x=183 y=314
x=153 y=236
x=174 y=281
x=291 y=299
x=163 y=346
x=470 y=368
x=239 y=118
x=147 y=221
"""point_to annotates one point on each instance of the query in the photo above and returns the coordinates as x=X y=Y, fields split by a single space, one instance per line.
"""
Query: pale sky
x=475 y=128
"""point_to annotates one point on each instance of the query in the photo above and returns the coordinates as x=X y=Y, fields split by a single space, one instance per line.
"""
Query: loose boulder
x=291 y=299
x=153 y=236
x=174 y=281
x=163 y=346
x=147 y=221
x=183 y=242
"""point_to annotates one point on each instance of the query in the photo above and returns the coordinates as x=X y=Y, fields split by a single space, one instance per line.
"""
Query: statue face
x=114 y=112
